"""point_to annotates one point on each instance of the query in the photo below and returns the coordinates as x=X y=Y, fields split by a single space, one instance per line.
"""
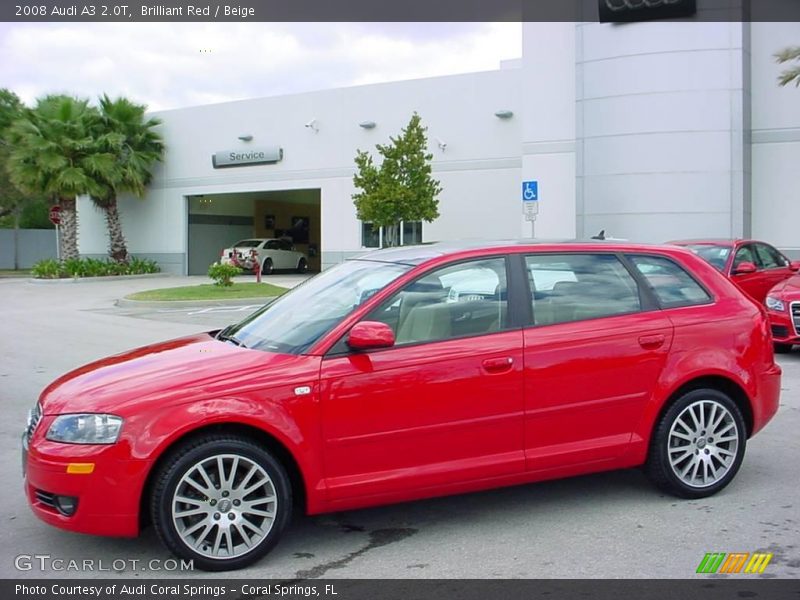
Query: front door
x=444 y=405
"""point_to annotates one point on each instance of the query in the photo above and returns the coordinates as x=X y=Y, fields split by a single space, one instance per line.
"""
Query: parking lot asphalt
x=613 y=525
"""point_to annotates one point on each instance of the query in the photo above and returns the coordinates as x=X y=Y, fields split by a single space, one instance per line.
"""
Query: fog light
x=66 y=505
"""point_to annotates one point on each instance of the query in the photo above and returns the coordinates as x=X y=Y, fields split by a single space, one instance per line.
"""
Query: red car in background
x=783 y=307
x=756 y=267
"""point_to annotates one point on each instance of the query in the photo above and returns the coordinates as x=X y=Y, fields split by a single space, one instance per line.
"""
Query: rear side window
x=671 y=283
x=576 y=287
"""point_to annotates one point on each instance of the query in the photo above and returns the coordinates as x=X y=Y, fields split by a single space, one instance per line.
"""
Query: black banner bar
x=396 y=11
x=400 y=589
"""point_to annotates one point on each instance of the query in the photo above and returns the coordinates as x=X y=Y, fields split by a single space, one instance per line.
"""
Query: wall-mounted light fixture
x=367 y=124
x=247 y=137
x=504 y=114
x=313 y=126
x=442 y=144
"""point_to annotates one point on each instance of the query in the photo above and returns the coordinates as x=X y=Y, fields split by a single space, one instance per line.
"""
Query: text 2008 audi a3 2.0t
x=410 y=373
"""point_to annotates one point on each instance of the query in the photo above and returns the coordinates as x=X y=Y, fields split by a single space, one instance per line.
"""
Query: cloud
x=170 y=65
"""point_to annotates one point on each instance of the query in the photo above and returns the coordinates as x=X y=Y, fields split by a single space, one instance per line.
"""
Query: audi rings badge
x=642 y=10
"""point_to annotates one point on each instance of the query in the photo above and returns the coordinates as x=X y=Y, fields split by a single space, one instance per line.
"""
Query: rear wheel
x=698 y=445
x=783 y=348
x=267 y=268
x=302 y=266
x=221 y=501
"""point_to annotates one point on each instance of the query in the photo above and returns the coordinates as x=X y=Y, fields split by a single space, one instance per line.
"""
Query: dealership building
x=649 y=130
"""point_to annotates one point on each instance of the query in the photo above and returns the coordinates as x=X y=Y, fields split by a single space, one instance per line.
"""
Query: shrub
x=223 y=274
x=92 y=267
x=47 y=269
x=141 y=266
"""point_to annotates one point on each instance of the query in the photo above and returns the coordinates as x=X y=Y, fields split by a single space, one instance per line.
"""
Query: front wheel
x=221 y=501
x=698 y=445
x=782 y=348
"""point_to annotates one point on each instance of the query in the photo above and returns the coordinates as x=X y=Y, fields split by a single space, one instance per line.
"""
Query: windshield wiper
x=224 y=337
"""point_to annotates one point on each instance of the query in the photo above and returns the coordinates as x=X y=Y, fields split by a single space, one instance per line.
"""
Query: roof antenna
x=600 y=236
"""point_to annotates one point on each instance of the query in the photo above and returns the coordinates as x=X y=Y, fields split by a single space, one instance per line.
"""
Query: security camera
x=442 y=144
x=312 y=124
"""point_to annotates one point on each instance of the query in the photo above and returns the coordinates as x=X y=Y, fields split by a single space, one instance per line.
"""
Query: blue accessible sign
x=530 y=191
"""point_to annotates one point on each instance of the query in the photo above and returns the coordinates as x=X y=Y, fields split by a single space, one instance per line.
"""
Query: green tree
x=16 y=207
x=401 y=188
x=53 y=153
x=788 y=55
x=125 y=132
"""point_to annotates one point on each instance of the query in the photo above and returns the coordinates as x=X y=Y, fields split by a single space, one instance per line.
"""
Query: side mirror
x=795 y=265
x=745 y=268
x=368 y=335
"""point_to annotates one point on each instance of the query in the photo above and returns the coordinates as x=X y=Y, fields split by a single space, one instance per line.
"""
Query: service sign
x=250 y=156
x=627 y=11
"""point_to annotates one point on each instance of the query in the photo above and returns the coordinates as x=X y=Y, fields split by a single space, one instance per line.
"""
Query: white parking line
x=218 y=309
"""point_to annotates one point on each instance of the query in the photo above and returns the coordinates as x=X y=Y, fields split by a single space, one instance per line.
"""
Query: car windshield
x=715 y=254
x=299 y=318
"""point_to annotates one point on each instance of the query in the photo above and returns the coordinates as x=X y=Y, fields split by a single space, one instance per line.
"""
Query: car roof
x=416 y=255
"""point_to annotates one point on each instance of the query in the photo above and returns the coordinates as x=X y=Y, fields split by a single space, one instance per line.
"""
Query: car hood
x=788 y=290
x=184 y=369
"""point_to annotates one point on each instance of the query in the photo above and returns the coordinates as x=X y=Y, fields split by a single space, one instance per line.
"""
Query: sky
x=172 y=65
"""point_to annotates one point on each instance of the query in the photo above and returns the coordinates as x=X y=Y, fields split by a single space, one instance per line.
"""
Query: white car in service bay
x=271 y=253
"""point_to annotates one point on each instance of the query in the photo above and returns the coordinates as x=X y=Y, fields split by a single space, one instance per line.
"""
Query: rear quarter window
x=671 y=283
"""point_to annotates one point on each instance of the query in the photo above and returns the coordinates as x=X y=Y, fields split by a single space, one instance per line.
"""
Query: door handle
x=651 y=342
x=498 y=365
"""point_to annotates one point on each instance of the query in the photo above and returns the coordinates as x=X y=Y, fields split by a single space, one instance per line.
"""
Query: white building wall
x=775 y=139
x=478 y=165
x=662 y=109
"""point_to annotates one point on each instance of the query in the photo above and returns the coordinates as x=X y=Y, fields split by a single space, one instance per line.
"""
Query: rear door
x=592 y=358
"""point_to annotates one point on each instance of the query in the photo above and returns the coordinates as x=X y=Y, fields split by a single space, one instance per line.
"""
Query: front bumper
x=783 y=331
x=108 y=498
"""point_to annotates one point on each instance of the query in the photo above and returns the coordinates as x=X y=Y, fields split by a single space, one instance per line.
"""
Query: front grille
x=780 y=332
x=34 y=416
x=795 y=310
x=46 y=498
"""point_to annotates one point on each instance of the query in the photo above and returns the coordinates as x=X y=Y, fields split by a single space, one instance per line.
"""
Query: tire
x=216 y=538
x=782 y=348
x=302 y=265
x=677 y=445
x=266 y=267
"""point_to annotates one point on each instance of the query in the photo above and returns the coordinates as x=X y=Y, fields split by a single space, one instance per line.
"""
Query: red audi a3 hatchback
x=404 y=374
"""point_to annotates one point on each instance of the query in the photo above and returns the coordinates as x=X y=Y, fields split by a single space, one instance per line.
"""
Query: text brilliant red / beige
x=159 y=10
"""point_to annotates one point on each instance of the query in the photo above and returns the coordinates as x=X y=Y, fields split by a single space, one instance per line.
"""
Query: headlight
x=775 y=304
x=85 y=429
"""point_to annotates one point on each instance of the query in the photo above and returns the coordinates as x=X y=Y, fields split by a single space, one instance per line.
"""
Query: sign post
x=55 y=219
x=530 y=203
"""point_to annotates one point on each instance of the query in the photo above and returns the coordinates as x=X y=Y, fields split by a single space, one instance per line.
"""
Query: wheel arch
x=726 y=385
x=263 y=438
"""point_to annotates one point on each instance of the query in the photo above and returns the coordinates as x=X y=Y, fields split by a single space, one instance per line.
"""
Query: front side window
x=671 y=284
x=462 y=300
x=744 y=254
x=299 y=318
x=575 y=287
x=769 y=257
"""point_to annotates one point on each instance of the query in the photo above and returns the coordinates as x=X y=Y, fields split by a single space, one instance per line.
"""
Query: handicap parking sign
x=530 y=191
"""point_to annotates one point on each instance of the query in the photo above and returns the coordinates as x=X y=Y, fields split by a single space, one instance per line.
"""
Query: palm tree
x=788 y=55
x=53 y=153
x=126 y=132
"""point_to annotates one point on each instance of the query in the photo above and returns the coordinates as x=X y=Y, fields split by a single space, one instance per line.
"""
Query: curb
x=126 y=303
x=97 y=279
